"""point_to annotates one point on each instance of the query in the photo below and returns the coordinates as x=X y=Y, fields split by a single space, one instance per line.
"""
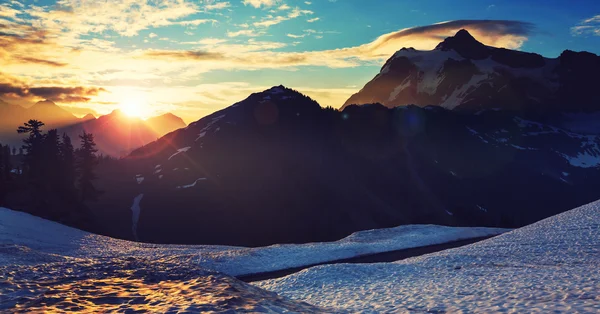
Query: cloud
x=589 y=26
x=170 y=76
x=498 y=33
x=508 y=34
x=41 y=61
x=185 y=55
x=313 y=20
x=243 y=32
x=274 y=20
x=259 y=3
x=126 y=17
x=14 y=88
x=217 y=6
x=197 y=22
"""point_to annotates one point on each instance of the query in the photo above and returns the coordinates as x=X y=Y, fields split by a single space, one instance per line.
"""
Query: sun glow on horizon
x=135 y=107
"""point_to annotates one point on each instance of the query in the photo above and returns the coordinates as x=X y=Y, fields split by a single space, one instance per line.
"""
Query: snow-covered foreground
x=49 y=268
x=550 y=266
x=53 y=241
x=46 y=266
x=242 y=261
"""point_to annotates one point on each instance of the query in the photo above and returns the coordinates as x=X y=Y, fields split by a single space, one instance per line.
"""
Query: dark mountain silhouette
x=462 y=73
x=88 y=116
x=165 y=123
x=52 y=114
x=14 y=115
x=276 y=167
x=116 y=134
x=9 y=112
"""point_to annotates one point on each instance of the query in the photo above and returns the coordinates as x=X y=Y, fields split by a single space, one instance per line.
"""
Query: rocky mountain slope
x=276 y=167
x=462 y=73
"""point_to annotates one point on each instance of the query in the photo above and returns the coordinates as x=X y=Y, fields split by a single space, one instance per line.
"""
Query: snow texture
x=50 y=268
x=179 y=151
x=552 y=266
x=191 y=185
x=135 y=214
x=244 y=261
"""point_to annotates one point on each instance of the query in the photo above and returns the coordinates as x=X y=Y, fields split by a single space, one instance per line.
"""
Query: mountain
x=47 y=111
x=88 y=116
x=462 y=73
x=51 y=114
x=278 y=168
x=13 y=116
x=165 y=123
x=8 y=113
x=115 y=134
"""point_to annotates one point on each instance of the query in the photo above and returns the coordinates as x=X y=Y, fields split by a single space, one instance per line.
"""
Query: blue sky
x=195 y=57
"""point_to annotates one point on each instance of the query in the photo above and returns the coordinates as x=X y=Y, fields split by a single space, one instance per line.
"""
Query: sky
x=193 y=57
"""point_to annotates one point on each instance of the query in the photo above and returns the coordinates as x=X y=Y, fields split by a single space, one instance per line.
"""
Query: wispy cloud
x=589 y=26
x=260 y=3
x=14 y=88
x=244 y=32
x=274 y=20
x=217 y=5
x=172 y=72
x=126 y=17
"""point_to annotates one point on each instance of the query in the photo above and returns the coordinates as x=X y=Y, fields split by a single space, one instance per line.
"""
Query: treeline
x=52 y=179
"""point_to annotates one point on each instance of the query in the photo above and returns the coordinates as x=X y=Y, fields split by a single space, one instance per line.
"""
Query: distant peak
x=89 y=116
x=465 y=44
x=45 y=102
x=277 y=89
x=463 y=33
x=117 y=112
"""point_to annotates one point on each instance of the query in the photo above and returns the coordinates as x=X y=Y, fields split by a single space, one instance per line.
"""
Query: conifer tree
x=32 y=160
x=86 y=164
x=67 y=156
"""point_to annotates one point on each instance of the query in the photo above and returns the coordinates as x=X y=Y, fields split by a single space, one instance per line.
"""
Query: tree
x=6 y=165
x=14 y=150
x=32 y=144
x=2 y=157
x=51 y=161
x=86 y=164
x=67 y=162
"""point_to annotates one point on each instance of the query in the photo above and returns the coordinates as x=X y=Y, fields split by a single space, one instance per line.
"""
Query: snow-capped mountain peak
x=466 y=45
x=465 y=74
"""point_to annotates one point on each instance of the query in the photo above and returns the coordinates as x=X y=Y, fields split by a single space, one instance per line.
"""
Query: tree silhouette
x=51 y=162
x=67 y=163
x=32 y=144
x=6 y=164
x=86 y=164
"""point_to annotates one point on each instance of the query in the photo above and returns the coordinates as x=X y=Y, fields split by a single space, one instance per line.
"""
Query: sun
x=132 y=110
x=134 y=107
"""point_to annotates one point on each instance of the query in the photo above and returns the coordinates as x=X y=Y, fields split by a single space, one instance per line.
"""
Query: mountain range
x=462 y=73
x=464 y=135
x=277 y=167
x=116 y=134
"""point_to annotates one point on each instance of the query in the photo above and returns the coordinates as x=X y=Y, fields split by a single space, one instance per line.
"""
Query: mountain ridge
x=462 y=73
